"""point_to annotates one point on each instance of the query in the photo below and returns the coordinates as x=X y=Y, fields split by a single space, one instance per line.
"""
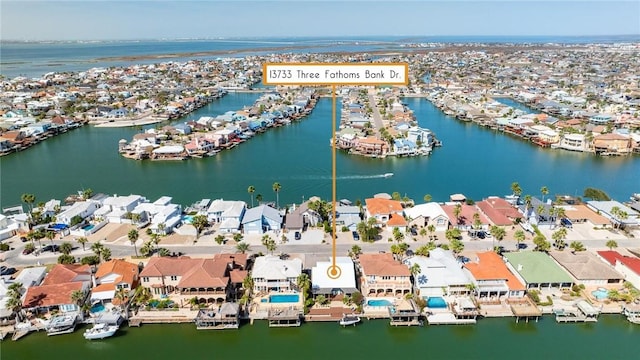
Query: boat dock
x=583 y=312
x=525 y=309
x=284 y=317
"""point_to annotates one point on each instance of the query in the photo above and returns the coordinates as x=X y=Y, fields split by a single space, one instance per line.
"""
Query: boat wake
x=344 y=177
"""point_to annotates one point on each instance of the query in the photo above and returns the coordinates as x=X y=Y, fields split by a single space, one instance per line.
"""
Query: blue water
x=436 y=302
x=34 y=59
x=99 y=307
x=284 y=298
x=600 y=294
x=379 y=302
x=88 y=227
x=516 y=105
x=187 y=219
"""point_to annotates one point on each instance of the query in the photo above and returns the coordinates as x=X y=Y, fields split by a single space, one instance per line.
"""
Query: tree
x=321 y=299
x=237 y=237
x=476 y=221
x=519 y=236
x=200 y=222
x=355 y=251
x=398 y=236
x=141 y=295
x=515 y=189
x=544 y=191
x=122 y=295
x=219 y=239
x=14 y=299
x=106 y=254
x=303 y=282
x=78 y=297
x=51 y=235
x=595 y=194
x=242 y=247
x=541 y=243
x=161 y=228
x=452 y=234
x=133 y=238
x=457 y=210
x=415 y=269
x=66 y=259
x=251 y=189
x=611 y=244
x=276 y=188
x=259 y=198
x=269 y=243
x=399 y=250
x=82 y=240
x=427 y=198
x=457 y=246
x=577 y=246
x=87 y=194
x=431 y=228
x=396 y=196
x=66 y=248
x=28 y=199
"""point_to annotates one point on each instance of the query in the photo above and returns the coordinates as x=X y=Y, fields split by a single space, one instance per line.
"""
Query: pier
x=286 y=317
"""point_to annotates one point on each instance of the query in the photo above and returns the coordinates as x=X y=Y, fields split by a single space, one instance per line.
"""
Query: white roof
x=121 y=201
x=170 y=149
x=320 y=277
x=440 y=269
x=227 y=208
x=29 y=277
x=273 y=268
x=430 y=210
x=103 y=295
x=230 y=223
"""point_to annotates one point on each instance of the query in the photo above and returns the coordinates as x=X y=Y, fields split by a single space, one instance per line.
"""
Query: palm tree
x=457 y=210
x=303 y=282
x=77 y=297
x=86 y=194
x=133 y=237
x=577 y=246
x=28 y=199
x=14 y=299
x=540 y=210
x=242 y=247
x=476 y=221
x=122 y=295
x=200 y=222
x=515 y=189
x=51 y=235
x=219 y=239
x=161 y=228
x=251 y=189
x=106 y=254
x=527 y=201
x=237 y=237
x=611 y=244
x=415 y=269
x=427 y=198
x=141 y=295
x=544 y=191
x=82 y=240
x=66 y=248
x=519 y=236
x=276 y=187
x=259 y=198
x=355 y=251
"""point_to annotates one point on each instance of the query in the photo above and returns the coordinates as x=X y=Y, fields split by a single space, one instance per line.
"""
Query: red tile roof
x=397 y=220
x=61 y=274
x=382 y=265
x=197 y=272
x=494 y=215
x=128 y=272
x=50 y=295
x=632 y=263
x=466 y=215
x=491 y=267
x=378 y=206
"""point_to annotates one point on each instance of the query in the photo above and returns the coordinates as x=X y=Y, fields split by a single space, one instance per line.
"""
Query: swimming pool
x=284 y=298
x=187 y=219
x=99 y=307
x=88 y=227
x=600 y=294
x=436 y=302
x=379 y=302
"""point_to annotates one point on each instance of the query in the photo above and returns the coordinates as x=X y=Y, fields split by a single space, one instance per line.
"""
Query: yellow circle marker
x=334 y=272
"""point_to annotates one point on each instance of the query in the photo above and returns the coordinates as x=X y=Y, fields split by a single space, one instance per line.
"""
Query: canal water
x=612 y=337
x=475 y=161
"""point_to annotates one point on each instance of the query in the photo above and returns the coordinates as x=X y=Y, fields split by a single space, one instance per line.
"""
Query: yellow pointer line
x=333 y=176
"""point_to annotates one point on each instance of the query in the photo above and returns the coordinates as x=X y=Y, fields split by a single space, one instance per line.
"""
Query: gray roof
x=583 y=265
x=258 y=212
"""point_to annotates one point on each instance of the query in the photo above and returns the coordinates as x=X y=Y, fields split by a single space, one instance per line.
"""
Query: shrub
x=4 y=247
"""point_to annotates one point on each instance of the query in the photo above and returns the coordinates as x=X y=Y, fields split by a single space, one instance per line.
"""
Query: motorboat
x=100 y=331
x=349 y=319
x=62 y=324
x=388 y=175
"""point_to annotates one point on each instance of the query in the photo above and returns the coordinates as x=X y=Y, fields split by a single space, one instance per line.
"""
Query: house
x=580 y=213
x=271 y=273
x=492 y=278
x=228 y=213
x=27 y=277
x=209 y=280
x=82 y=209
x=612 y=143
x=382 y=209
x=538 y=213
x=465 y=220
x=440 y=274
x=499 y=211
x=537 y=270
x=607 y=209
x=261 y=219
x=348 y=216
x=371 y=146
x=586 y=268
x=114 y=208
x=57 y=289
x=112 y=276
x=8 y=227
x=163 y=215
x=424 y=215
x=574 y=142
x=345 y=284
x=301 y=217
x=628 y=266
x=382 y=275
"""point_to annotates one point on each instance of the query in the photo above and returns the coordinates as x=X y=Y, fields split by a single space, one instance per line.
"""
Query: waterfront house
x=492 y=278
x=301 y=217
x=538 y=213
x=57 y=288
x=606 y=209
x=424 y=215
x=465 y=220
x=499 y=211
x=112 y=276
x=344 y=284
x=615 y=144
x=82 y=209
x=27 y=277
x=347 y=216
x=116 y=208
x=600 y=119
x=383 y=209
x=8 y=227
x=228 y=213
x=580 y=214
x=629 y=266
x=163 y=215
x=271 y=273
x=208 y=280
x=440 y=274
x=586 y=268
x=574 y=142
x=382 y=275
x=371 y=146
x=261 y=219
x=537 y=270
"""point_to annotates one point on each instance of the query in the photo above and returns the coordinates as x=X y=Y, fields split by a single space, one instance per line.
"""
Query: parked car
x=414 y=231
x=7 y=270
x=23 y=239
x=522 y=246
x=481 y=234
x=50 y=247
x=566 y=222
x=28 y=251
x=356 y=236
x=297 y=235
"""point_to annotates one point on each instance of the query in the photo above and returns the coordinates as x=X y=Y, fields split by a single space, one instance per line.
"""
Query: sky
x=179 y=19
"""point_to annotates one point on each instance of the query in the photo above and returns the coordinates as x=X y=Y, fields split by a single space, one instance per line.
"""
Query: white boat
x=388 y=175
x=62 y=324
x=100 y=331
x=349 y=319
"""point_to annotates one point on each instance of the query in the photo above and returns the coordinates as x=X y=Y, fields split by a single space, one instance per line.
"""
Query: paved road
x=377 y=118
x=15 y=257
